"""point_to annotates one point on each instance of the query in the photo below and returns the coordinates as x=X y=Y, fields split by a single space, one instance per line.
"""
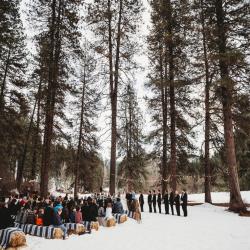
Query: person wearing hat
x=5 y=217
x=57 y=222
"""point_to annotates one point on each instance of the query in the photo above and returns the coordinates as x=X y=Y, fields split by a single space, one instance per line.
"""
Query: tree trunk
x=55 y=47
x=36 y=136
x=236 y=202
x=22 y=164
x=173 y=177
x=79 y=148
x=4 y=82
x=164 y=121
x=207 y=114
x=114 y=89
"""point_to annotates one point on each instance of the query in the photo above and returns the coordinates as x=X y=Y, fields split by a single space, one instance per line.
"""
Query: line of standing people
x=172 y=200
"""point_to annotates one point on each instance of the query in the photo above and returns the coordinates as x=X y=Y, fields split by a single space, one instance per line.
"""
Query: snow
x=218 y=197
x=207 y=227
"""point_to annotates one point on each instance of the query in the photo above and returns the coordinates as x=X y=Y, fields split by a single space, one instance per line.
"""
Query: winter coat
x=48 y=216
x=159 y=198
x=5 y=218
x=118 y=208
x=108 y=214
x=141 y=199
x=184 y=199
x=78 y=217
x=149 y=198
x=57 y=220
x=154 y=198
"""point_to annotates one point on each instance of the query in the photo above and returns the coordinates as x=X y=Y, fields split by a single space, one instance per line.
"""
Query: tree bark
x=4 y=82
x=164 y=119
x=207 y=167
x=114 y=89
x=236 y=202
x=79 y=148
x=55 y=46
x=36 y=136
x=173 y=177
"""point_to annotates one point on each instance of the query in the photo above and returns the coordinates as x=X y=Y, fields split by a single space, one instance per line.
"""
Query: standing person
x=177 y=202
x=78 y=215
x=150 y=201
x=184 y=199
x=154 y=201
x=141 y=201
x=159 y=200
x=171 y=201
x=166 y=203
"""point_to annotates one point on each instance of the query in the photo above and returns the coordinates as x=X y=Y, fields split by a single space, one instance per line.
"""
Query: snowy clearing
x=207 y=227
x=218 y=197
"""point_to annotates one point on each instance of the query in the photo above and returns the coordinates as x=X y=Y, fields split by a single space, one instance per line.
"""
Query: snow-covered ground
x=207 y=227
x=218 y=197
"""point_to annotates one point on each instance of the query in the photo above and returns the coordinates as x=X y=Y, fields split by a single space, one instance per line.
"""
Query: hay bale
x=18 y=248
x=17 y=239
x=123 y=218
x=111 y=222
x=137 y=216
x=95 y=225
x=58 y=233
x=80 y=229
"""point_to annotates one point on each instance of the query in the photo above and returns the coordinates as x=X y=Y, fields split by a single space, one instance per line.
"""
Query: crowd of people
x=56 y=211
x=171 y=199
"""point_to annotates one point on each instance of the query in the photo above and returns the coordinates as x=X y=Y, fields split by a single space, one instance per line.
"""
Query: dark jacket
x=118 y=208
x=159 y=198
x=154 y=198
x=92 y=213
x=141 y=199
x=184 y=199
x=165 y=198
x=57 y=220
x=48 y=216
x=177 y=200
x=171 y=198
x=5 y=218
x=150 y=198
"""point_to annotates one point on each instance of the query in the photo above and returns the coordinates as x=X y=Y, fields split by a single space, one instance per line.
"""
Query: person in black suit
x=150 y=201
x=184 y=199
x=166 y=204
x=159 y=201
x=177 y=203
x=171 y=201
x=141 y=201
x=154 y=201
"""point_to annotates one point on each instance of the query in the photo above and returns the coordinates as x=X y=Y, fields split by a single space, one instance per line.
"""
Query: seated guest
x=109 y=214
x=118 y=207
x=48 y=214
x=5 y=216
x=57 y=222
x=78 y=215
x=39 y=218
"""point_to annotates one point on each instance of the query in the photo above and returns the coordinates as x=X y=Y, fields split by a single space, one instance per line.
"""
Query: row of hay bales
x=17 y=239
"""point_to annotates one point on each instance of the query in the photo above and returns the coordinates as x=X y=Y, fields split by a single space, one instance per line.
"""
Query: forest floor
x=207 y=227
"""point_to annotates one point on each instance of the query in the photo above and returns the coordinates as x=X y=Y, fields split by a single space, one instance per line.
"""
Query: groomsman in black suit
x=150 y=201
x=171 y=201
x=184 y=199
x=177 y=203
x=141 y=201
x=154 y=201
x=166 y=204
x=159 y=201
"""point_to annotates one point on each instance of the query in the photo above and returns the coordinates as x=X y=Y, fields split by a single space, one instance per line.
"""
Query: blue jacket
x=118 y=208
x=57 y=220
